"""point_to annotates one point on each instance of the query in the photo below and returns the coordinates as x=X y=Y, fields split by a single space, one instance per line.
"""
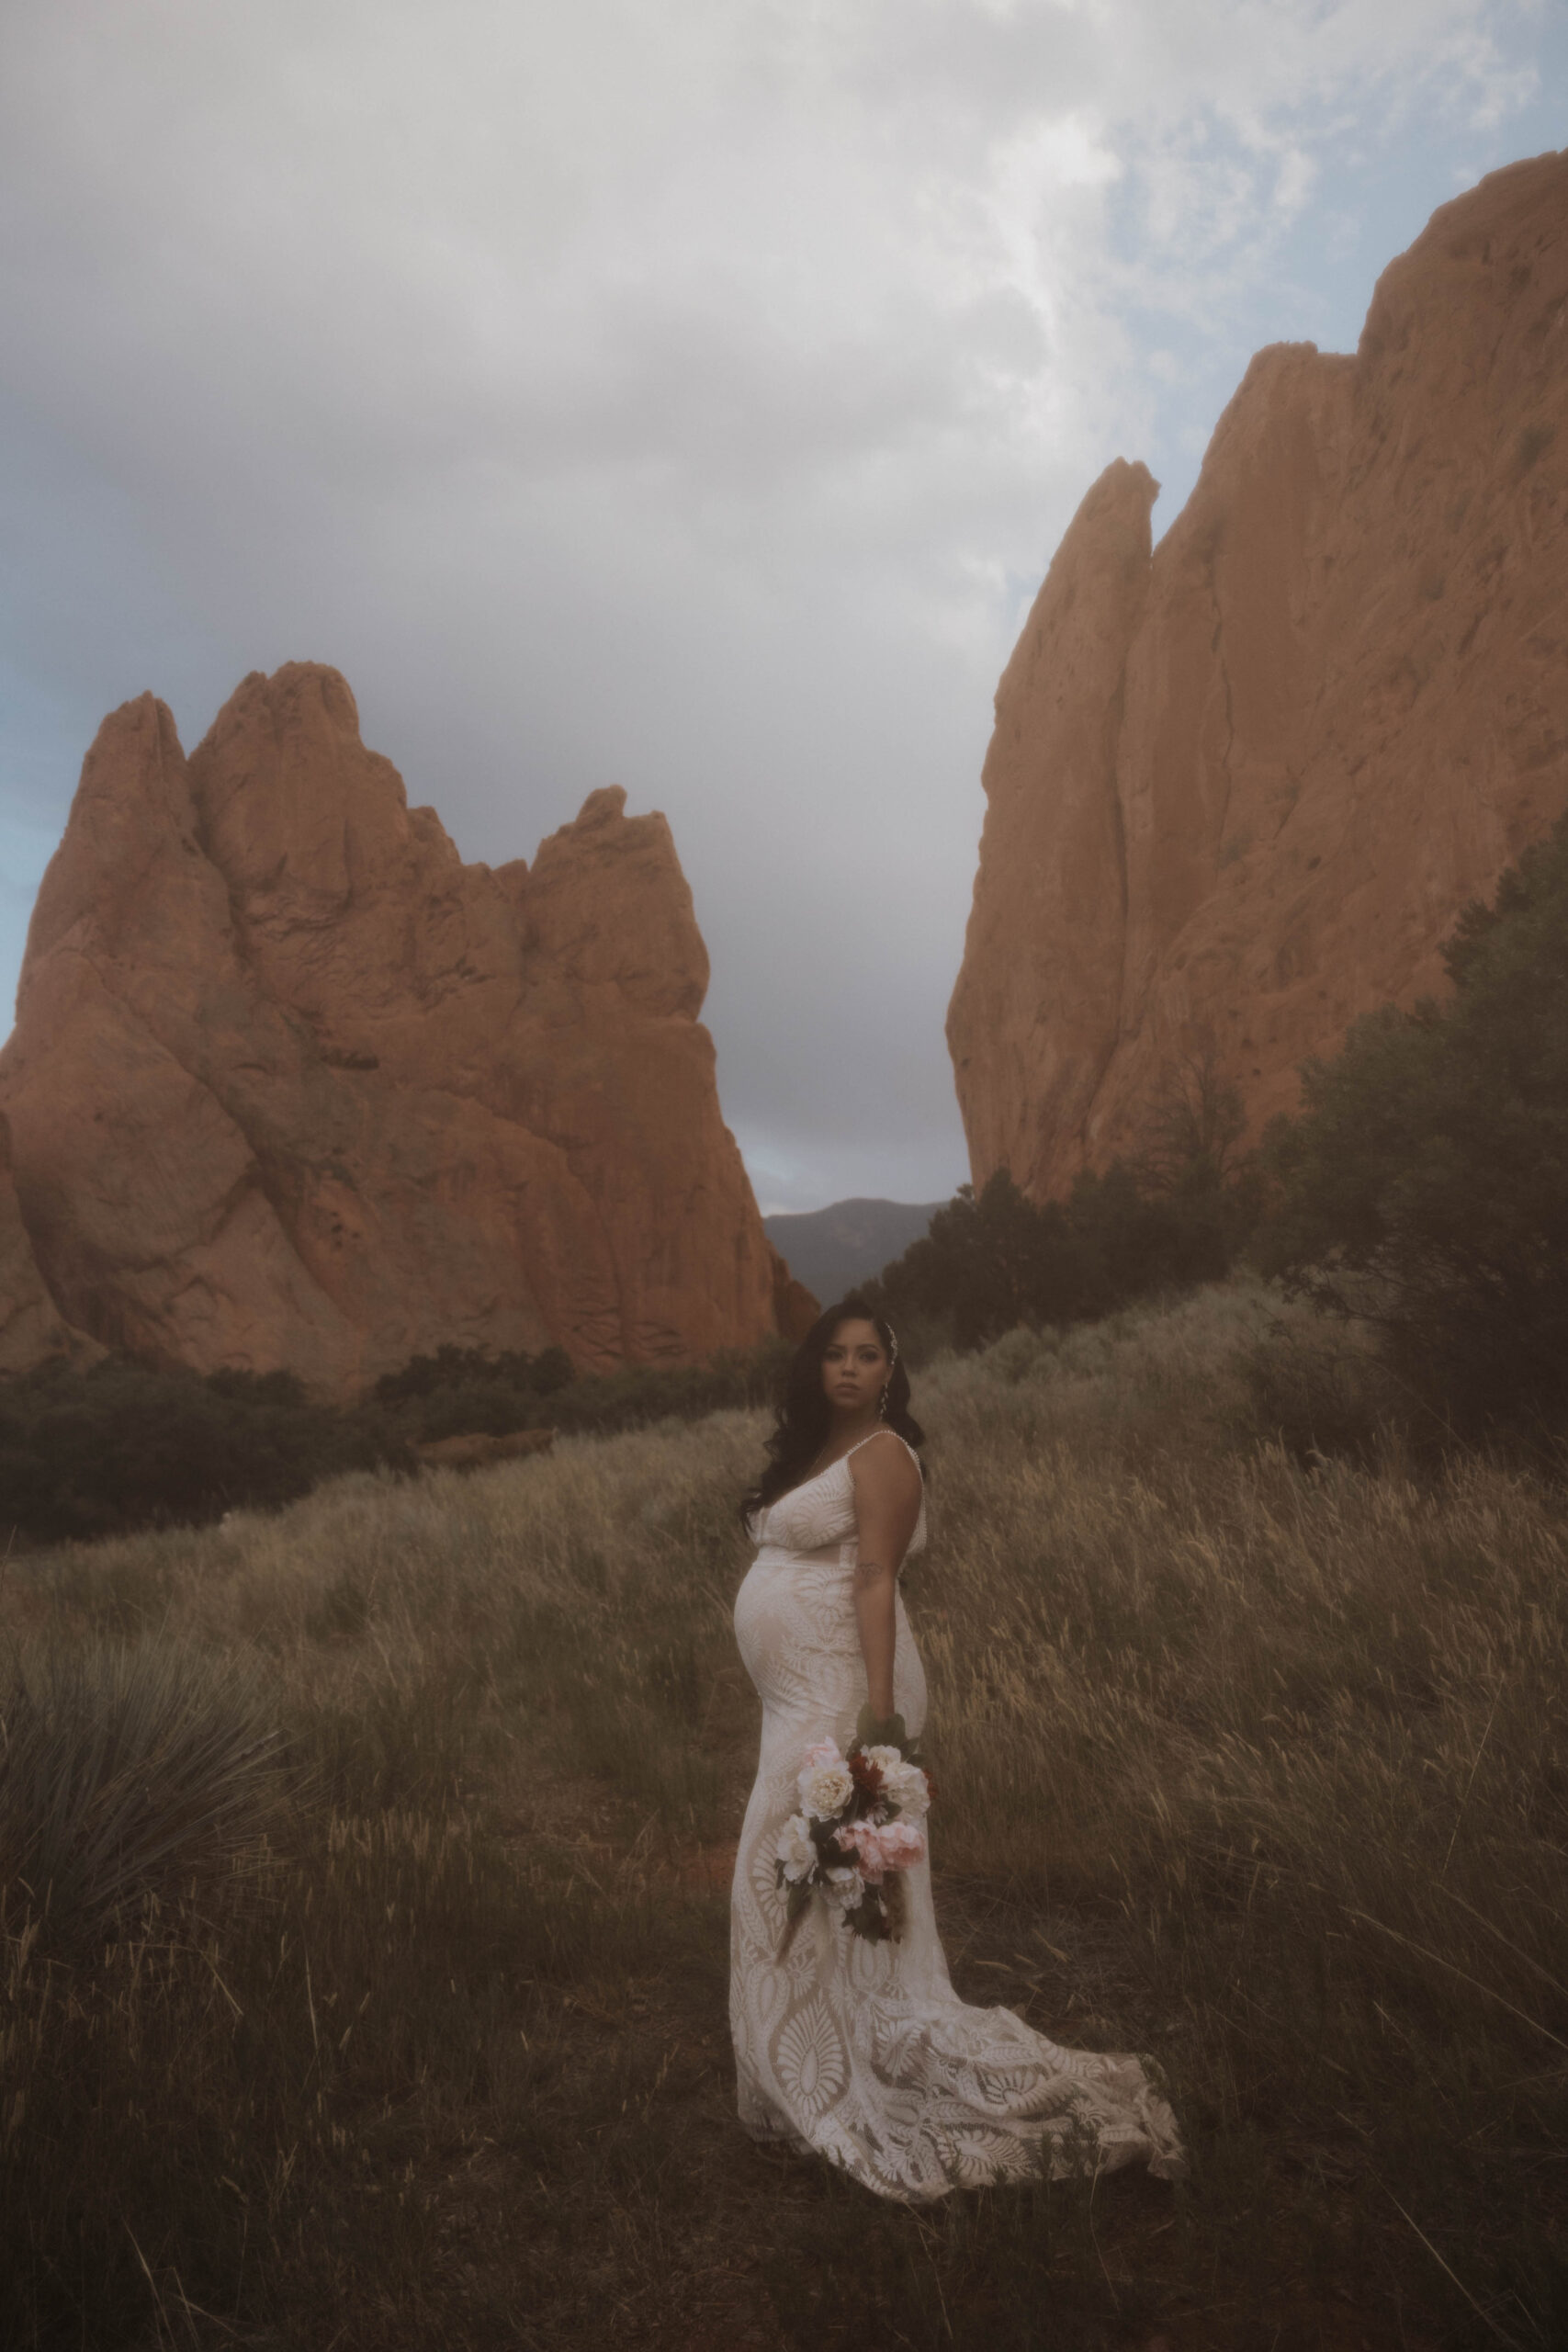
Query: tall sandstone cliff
x=1239 y=790
x=292 y=1086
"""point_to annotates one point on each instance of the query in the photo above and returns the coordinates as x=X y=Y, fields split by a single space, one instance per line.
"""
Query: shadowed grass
x=122 y=1771
x=1258 y=1764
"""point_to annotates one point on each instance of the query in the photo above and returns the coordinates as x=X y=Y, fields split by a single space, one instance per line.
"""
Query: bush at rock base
x=995 y=1260
x=123 y=1446
x=1424 y=1188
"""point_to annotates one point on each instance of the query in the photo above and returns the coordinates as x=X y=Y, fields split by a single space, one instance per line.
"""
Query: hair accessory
x=892 y=1345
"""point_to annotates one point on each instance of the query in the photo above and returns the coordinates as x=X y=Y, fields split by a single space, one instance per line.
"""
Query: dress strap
x=871 y=1441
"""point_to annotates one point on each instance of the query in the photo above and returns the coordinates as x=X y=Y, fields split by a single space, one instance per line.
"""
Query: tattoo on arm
x=869 y=1572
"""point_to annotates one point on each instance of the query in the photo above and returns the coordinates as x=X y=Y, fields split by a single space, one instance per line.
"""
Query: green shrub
x=452 y=1368
x=122 y=1446
x=460 y=1391
x=1167 y=1221
x=125 y=1772
x=988 y=1262
x=1425 y=1184
x=1322 y=1394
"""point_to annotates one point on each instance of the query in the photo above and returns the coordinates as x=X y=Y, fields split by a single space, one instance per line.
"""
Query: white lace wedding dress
x=863 y=2052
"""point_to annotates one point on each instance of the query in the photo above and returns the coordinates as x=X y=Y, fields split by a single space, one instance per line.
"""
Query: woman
x=860 y=2051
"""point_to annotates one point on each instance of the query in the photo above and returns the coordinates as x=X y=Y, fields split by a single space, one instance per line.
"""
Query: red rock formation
x=292 y=1085
x=31 y=1327
x=1238 y=791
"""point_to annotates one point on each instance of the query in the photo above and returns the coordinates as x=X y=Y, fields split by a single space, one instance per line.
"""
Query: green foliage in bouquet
x=888 y=1733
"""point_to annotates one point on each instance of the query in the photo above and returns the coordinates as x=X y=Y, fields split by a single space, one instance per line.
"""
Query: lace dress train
x=863 y=2052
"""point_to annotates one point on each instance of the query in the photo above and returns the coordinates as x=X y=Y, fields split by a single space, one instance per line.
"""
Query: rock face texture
x=291 y=1085
x=1238 y=791
x=31 y=1327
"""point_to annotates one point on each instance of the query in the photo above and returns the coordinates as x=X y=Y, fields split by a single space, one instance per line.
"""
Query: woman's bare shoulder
x=880 y=1468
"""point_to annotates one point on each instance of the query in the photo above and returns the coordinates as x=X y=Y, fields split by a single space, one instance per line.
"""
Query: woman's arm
x=887 y=1506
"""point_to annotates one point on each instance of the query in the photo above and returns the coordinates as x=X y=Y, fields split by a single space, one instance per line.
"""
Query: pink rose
x=858 y=1839
x=903 y=1843
x=881 y=1847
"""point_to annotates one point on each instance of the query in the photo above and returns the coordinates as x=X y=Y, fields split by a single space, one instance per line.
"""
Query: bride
x=858 y=2051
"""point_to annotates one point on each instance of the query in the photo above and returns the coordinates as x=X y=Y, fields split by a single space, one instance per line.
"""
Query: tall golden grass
x=1254 y=1761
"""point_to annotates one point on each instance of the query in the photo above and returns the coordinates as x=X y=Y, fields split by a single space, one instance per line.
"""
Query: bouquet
x=858 y=1827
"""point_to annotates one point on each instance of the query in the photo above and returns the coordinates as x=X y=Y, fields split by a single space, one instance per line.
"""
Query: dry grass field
x=416 y=2035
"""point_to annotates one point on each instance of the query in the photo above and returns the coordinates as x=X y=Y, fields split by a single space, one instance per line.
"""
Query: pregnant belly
x=794 y=1624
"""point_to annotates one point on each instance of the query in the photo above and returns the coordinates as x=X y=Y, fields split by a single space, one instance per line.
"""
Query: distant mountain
x=831 y=1250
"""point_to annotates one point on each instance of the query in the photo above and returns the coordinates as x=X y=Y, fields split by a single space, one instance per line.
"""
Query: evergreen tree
x=1425 y=1183
x=1177 y=1214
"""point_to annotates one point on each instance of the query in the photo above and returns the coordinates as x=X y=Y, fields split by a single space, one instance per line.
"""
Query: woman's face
x=854 y=1366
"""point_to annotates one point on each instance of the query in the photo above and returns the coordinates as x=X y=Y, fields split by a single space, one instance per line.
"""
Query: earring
x=881 y=1405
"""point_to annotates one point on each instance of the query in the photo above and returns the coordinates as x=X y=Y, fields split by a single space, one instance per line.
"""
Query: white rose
x=845 y=1888
x=825 y=1790
x=886 y=1759
x=795 y=1849
x=904 y=1786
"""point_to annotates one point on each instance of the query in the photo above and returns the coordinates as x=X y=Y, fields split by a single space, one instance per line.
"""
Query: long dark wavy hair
x=804 y=1414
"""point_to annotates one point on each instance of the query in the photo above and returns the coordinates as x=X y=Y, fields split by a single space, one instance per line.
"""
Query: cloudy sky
x=687 y=394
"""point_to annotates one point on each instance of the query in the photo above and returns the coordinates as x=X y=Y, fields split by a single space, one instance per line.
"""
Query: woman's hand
x=887 y=1507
